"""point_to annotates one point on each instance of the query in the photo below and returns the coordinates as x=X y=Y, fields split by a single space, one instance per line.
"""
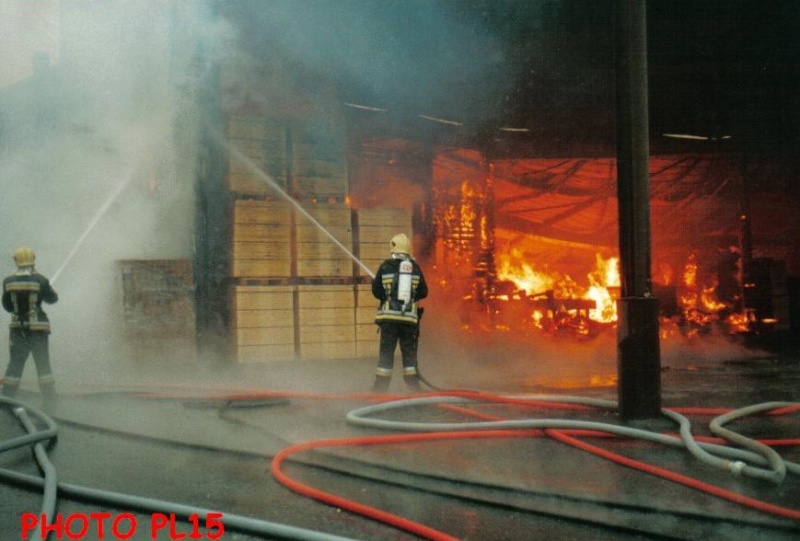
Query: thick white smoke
x=98 y=125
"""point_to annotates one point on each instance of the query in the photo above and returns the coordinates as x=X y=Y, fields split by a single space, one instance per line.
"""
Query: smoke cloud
x=413 y=56
x=98 y=118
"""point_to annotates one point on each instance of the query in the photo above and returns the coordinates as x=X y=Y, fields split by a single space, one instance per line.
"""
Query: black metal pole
x=638 y=350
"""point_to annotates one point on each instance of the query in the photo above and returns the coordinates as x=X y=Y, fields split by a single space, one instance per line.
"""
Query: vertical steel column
x=638 y=350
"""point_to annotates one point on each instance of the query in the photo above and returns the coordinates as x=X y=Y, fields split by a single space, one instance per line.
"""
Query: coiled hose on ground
x=768 y=465
x=751 y=460
x=757 y=452
x=126 y=501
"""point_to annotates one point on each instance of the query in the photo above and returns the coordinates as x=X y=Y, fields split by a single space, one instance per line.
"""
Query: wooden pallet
x=278 y=323
x=261 y=244
x=317 y=254
x=158 y=310
x=326 y=322
x=263 y=323
x=262 y=143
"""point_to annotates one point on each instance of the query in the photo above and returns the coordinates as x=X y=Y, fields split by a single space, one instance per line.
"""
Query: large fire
x=557 y=301
x=696 y=295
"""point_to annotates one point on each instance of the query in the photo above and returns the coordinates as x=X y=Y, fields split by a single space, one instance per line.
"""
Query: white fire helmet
x=24 y=256
x=400 y=244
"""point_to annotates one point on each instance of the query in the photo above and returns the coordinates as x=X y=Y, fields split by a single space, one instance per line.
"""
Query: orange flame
x=511 y=267
x=606 y=276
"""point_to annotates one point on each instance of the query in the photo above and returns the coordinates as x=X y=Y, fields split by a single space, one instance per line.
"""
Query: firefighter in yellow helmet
x=399 y=284
x=23 y=294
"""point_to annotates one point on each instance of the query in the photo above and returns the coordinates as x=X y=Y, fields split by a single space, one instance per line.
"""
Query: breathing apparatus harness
x=24 y=297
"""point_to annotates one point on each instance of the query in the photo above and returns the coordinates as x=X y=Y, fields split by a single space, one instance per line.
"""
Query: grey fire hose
x=47 y=434
x=125 y=501
x=716 y=427
x=237 y=522
x=37 y=437
x=753 y=451
x=48 y=470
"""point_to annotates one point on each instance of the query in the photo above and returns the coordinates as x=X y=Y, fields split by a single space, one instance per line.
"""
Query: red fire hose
x=371 y=512
x=565 y=436
x=765 y=507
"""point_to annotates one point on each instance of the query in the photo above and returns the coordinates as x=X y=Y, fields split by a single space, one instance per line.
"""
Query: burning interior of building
x=522 y=248
x=532 y=244
x=529 y=245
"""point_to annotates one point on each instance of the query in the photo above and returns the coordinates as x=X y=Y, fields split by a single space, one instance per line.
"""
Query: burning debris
x=556 y=303
x=515 y=291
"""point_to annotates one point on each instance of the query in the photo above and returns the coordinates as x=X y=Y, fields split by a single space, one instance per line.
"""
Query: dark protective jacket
x=388 y=287
x=23 y=294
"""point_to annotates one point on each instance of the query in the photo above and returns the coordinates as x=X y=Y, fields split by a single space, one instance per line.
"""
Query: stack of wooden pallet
x=258 y=144
x=263 y=322
x=296 y=291
x=262 y=240
x=318 y=160
x=159 y=319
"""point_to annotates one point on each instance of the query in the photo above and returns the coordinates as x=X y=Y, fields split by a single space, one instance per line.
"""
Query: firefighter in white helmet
x=399 y=284
x=23 y=294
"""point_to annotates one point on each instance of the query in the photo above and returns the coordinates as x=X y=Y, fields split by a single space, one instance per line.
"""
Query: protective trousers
x=22 y=343
x=407 y=336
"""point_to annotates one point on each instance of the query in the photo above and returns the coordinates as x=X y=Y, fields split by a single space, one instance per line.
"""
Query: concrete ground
x=205 y=437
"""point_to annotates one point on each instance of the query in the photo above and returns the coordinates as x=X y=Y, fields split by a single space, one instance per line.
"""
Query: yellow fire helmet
x=24 y=256
x=400 y=244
